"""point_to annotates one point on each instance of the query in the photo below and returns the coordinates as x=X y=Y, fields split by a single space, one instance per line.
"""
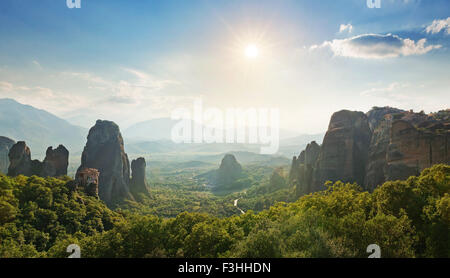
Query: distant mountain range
x=41 y=129
x=38 y=128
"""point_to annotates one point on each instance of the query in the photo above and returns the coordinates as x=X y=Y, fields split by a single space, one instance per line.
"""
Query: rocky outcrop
x=104 y=151
x=54 y=165
x=138 y=184
x=302 y=169
x=56 y=162
x=5 y=145
x=406 y=143
x=20 y=160
x=377 y=114
x=344 y=152
x=229 y=171
x=385 y=144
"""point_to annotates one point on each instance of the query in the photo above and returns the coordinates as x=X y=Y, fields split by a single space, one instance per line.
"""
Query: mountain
x=151 y=130
x=38 y=128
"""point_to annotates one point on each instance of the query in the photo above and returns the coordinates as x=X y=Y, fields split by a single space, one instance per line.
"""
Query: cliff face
x=343 y=155
x=385 y=144
x=54 y=165
x=303 y=168
x=5 y=145
x=405 y=143
x=104 y=151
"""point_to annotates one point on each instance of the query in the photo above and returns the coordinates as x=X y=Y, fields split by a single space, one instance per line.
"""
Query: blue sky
x=130 y=61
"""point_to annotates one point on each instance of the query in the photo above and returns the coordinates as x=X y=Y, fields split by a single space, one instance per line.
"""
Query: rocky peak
x=19 y=160
x=229 y=170
x=343 y=155
x=104 y=151
x=56 y=162
x=138 y=182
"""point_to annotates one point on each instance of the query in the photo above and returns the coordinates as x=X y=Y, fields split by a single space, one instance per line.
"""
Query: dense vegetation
x=40 y=218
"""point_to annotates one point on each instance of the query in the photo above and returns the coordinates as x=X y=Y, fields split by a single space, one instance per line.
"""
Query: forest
x=40 y=217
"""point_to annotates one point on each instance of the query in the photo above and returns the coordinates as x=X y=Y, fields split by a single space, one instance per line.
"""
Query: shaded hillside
x=38 y=128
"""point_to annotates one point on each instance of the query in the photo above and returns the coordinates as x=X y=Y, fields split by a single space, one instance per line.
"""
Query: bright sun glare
x=251 y=51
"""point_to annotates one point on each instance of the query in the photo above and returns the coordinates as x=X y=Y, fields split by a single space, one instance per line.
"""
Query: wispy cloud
x=385 y=91
x=438 y=26
x=374 y=46
x=345 y=27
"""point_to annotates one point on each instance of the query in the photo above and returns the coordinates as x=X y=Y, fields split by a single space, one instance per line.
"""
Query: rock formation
x=20 y=160
x=406 y=143
x=229 y=171
x=343 y=155
x=138 y=183
x=385 y=144
x=5 y=145
x=56 y=162
x=54 y=165
x=104 y=151
x=302 y=169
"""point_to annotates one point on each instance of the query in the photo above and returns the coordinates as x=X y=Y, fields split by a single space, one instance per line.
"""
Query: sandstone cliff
x=5 y=145
x=104 y=151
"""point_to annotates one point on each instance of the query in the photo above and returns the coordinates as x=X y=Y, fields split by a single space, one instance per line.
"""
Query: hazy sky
x=130 y=61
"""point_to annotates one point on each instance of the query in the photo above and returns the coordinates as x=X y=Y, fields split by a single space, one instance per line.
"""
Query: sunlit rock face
x=5 y=145
x=104 y=151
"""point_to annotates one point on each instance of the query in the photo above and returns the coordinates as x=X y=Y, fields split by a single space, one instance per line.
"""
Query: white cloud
x=345 y=27
x=385 y=91
x=439 y=25
x=373 y=46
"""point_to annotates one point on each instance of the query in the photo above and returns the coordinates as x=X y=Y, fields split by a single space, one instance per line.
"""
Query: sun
x=251 y=51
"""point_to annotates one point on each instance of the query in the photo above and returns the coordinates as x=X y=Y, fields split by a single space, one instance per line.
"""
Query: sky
x=130 y=61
